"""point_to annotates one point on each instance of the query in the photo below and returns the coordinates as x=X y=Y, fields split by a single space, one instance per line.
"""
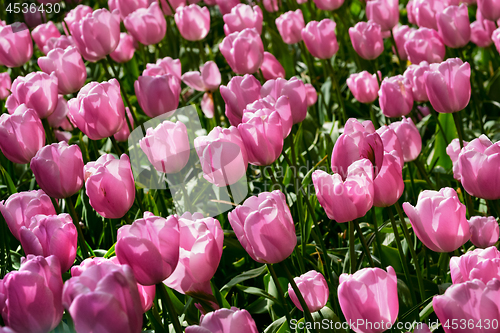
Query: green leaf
x=278 y=326
x=257 y=292
x=450 y=131
x=253 y=273
x=392 y=256
x=10 y=184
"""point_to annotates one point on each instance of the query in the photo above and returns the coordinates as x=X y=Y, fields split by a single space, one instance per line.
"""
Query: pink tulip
x=416 y=75
x=96 y=35
x=125 y=50
x=16 y=47
x=51 y=235
x=61 y=42
x=225 y=321
x=35 y=18
x=479 y=264
x=439 y=220
x=20 y=207
x=61 y=136
x=410 y=13
x=110 y=185
x=265 y=106
x=193 y=22
x=158 y=94
x=453 y=150
x=290 y=25
x=264 y=227
x=401 y=35
x=313 y=287
x=225 y=6
x=147 y=25
x=201 y=241
x=127 y=7
x=395 y=96
x=207 y=79
x=37 y=90
x=320 y=38
x=424 y=45
x=104 y=298
x=448 y=85
x=163 y=66
x=294 y=89
x=409 y=137
x=21 y=134
x=391 y=142
x=42 y=33
x=454 y=26
x=241 y=17
x=363 y=86
x=59 y=118
x=240 y=91
x=388 y=186
x=383 y=12
x=366 y=38
x=165 y=6
x=68 y=67
x=271 y=67
x=369 y=296
x=5 y=84
x=312 y=95
x=76 y=15
x=481 y=31
x=123 y=134
x=425 y=12
x=495 y=37
x=490 y=9
x=33 y=295
x=328 y=4
x=271 y=6
x=484 y=231
x=243 y=51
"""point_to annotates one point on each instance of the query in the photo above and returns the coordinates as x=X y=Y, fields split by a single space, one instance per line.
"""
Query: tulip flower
x=5 y=84
x=163 y=66
x=366 y=39
x=225 y=6
x=110 y=185
x=311 y=94
x=127 y=7
x=454 y=26
x=35 y=18
x=59 y=118
x=123 y=134
x=424 y=45
x=201 y=241
x=264 y=227
x=21 y=134
x=363 y=86
x=495 y=37
x=388 y=186
x=482 y=30
x=147 y=25
x=44 y=32
x=158 y=95
x=383 y=12
x=453 y=150
x=51 y=235
x=369 y=296
x=391 y=142
x=479 y=264
x=17 y=47
x=243 y=51
x=313 y=287
x=395 y=96
x=409 y=137
x=448 y=85
x=96 y=35
x=193 y=22
x=104 y=298
x=439 y=220
x=61 y=42
x=225 y=321
x=76 y=15
x=207 y=79
x=401 y=34
x=411 y=15
x=20 y=207
x=294 y=89
x=240 y=91
x=346 y=199
x=125 y=49
x=290 y=25
x=98 y=109
x=37 y=90
x=271 y=5
x=174 y=4
x=425 y=12
x=222 y=155
x=68 y=67
x=271 y=68
x=320 y=38
x=490 y=9
x=416 y=75
x=478 y=164
x=266 y=105
x=167 y=146
x=241 y=17
x=328 y=4
x=484 y=231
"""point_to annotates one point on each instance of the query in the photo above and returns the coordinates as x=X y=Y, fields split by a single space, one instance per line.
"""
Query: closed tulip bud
x=320 y=38
x=424 y=45
x=33 y=295
x=484 y=231
x=61 y=42
x=125 y=49
x=241 y=17
x=17 y=47
x=490 y=9
x=44 y=32
x=425 y=12
x=271 y=68
x=454 y=26
x=290 y=25
x=5 y=84
x=416 y=75
x=453 y=150
x=101 y=23
x=158 y=95
x=225 y=321
x=68 y=67
x=193 y=22
x=104 y=298
x=366 y=39
x=201 y=241
x=439 y=220
x=294 y=89
x=383 y=12
x=481 y=264
x=207 y=79
x=110 y=185
x=243 y=51
x=409 y=137
x=76 y=15
x=313 y=287
x=35 y=18
x=240 y=91
x=147 y=25
x=262 y=135
x=482 y=30
x=391 y=142
x=59 y=118
x=448 y=85
x=401 y=35
x=51 y=235
x=127 y=7
x=369 y=296
x=266 y=106
x=363 y=86
x=21 y=134
x=123 y=134
x=163 y=66
x=264 y=227
x=225 y=6
x=395 y=96
x=388 y=186
x=37 y=90
x=328 y=4
x=312 y=95
x=20 y=207
x=271 y=6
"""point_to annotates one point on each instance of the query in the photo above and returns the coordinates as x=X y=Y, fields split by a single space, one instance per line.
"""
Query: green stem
x=115 y=145
x=337 y=90
x=48 y=131
x=352 y=252
x=397 y=51
x=168 y=305
x=363 y=242
x=377 y=236
x=458 y=125
x=373 y=117
x=281 y=294
x=76 y=221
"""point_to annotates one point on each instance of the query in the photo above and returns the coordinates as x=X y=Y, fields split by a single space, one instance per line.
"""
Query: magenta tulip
x=409 y=137
x=125 y=50
x=147 y=25
x=294 y=89
x=271 y=68
x=484 y=231
x=424 y=45
x=16 y=47
x=290 y=25
x=490 y=9
x=383 y=12
x=240 y=91
x=5 y=84
x=313 y=287
x=193 y=22
x=243 y=51
x=478 y=264
x=328 y=4
x=225 y=321
x=241 y=17
x=482 y=30
x=320 y=38
x=454 y=26
x=158 y=95
x=395 y=96
x=416 y=75
x=366 y=39
x=207 y=79
x=42 y=33
x=363 y=86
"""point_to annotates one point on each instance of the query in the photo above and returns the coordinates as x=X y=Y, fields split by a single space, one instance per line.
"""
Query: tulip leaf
x=10 y=184
x=327 y=321
x=111 y=252
x=440 y=157
x=257 y=292
x=392 y=256
x=279 y=325
x=253 y=273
